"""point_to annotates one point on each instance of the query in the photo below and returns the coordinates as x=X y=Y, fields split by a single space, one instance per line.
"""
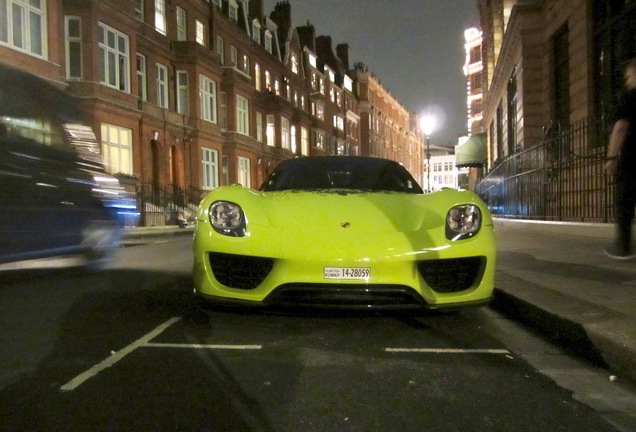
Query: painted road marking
x=204 y=346
x=448 y=350
x=142 y=343
x=115 y=357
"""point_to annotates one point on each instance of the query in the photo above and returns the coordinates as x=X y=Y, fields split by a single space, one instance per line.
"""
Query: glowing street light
x=427 y=124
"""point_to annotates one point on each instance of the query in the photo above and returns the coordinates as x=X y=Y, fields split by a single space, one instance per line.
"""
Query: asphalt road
x=128 y=349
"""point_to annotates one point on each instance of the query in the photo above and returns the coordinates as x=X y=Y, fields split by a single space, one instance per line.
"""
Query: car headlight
x=227 y=218
x=462 y=222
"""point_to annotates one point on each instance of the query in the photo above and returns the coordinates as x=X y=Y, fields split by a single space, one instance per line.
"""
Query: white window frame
x=304 y=141
x=162 y=86
x=257 y=76
x=270 y=130
x=233 y=10
x=285 y=139
x=140 y=14
x=182 y=24
x=113 y=54
x=243 y=172
x=293 y=144
x=207 y=97
x=220 y=49
x=259 y=126
x=182 y=92
x=160 y=16
x=256 y=31
x=25 y=28
x=223 y=110
x=268 y=41
x=116 y=149
x=209 y=168
x=200 y=32
x=142 y=77
x=242 y=115
x=73 y=47
x=233 y=56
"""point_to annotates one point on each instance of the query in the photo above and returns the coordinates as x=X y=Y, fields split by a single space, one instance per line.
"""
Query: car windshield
x=341 y=172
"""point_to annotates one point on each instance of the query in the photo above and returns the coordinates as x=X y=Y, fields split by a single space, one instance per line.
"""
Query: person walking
x=621 y=162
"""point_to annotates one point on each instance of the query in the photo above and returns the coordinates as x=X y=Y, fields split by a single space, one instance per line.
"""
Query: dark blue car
x=55 y=198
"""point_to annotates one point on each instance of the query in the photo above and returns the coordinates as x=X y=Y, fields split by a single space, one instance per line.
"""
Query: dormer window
x=256 y=31
x=268 y=41
x=233 y=10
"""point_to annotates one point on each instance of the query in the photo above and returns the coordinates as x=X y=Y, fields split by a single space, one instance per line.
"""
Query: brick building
x=187 y=95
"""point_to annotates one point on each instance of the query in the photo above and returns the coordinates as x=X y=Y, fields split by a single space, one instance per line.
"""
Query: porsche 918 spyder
x=343 y=232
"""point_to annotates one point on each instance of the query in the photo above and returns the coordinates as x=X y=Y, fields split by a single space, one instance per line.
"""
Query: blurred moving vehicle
x=55 y=196
x=343 y=232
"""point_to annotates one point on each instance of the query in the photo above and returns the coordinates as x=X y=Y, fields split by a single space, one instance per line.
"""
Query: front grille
x=240 y=271
x=452 y=275
x=345 y=296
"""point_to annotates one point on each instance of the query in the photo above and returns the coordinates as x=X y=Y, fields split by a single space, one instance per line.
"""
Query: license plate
x=357 y=273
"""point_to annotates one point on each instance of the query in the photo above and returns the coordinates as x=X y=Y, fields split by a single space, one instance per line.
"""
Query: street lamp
x=427 y=124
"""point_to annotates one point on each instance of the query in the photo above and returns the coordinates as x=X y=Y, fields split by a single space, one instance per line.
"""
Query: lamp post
x=427 y=123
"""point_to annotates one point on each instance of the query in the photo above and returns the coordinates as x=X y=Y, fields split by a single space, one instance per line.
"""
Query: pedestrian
x=620 y=162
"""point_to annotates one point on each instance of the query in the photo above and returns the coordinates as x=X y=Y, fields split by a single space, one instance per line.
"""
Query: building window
x=512 y=113
x=160 y=16
x=73 y=39
x=319 y=140
x=259 y=127
x=207 y=95
x=304 y=141
x=220 y=49
x=242 y=115
x=182 y=92
x=209 y=168
x=293 y=145
x=233 y=56
x=270 y=131
x=246 y=64
x=268 y=81
x=113 y=58
x=268 y=41
x=162 y=86
x=182 y=30
x=23 y=26
x=141 y=78
x=233 y=10
x=200 y=28
x=257 y=76
x=117 y=149
x=294 y=63
x=285 y=140
x=256 y=31
x=139 y=10
x=244 y=172
x=223 y=110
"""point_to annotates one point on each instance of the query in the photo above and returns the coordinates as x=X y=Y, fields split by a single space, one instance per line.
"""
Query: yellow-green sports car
x=343 y=232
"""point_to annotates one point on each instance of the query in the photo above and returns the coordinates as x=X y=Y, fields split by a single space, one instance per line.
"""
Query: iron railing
x=561 y=178
x=159 y=206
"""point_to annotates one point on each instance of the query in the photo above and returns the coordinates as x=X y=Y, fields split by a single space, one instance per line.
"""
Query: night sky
x=414 y=47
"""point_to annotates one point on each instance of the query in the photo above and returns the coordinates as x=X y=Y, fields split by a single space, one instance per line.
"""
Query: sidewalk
x=555 y=278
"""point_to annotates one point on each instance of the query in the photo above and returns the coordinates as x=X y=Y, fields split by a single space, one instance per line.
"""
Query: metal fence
x=159 y=206
x=561 y=178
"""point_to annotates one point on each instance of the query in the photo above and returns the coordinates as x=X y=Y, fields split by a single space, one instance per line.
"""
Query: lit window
x=244 y=176
x=160 y=16
x=270 y=131
x=117 y=149
x=285 y=140
x=200 y=28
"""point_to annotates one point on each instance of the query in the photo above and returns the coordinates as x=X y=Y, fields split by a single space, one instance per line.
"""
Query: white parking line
x=448 y=350
x=202 y=346
x=78 y=380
